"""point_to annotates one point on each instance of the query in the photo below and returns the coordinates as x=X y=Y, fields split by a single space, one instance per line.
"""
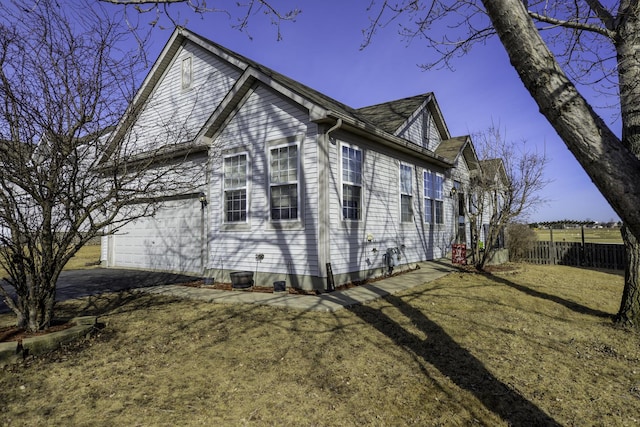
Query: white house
x=288 y=183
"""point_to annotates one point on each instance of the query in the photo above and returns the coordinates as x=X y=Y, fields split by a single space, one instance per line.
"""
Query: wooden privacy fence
x=597 y=255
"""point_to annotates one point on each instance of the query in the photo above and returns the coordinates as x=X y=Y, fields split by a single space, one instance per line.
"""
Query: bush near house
x=520 y=240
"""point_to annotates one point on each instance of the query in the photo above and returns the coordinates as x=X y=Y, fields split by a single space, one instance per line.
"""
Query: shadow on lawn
x=455 y=362
x=573 y=306
x=104 y=304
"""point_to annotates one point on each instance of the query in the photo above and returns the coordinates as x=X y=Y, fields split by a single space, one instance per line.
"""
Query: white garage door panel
x=169 y=241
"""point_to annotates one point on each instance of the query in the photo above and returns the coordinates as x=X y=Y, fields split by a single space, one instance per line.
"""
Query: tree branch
x=572 y=24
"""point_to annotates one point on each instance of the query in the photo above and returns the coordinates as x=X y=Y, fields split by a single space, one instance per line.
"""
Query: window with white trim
x=283 y=186
x=406 y=193
x=235 y=188
x=351 y=183
x=433 y=198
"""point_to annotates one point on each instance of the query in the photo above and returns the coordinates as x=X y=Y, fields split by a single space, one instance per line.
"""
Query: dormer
x=417 y=119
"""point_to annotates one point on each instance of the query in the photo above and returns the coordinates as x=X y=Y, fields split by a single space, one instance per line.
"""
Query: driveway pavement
x=80 y=283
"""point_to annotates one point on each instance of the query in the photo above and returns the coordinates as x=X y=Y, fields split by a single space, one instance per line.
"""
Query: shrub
x=520 y=240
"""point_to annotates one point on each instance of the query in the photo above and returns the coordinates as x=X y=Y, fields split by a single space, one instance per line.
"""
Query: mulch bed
x=489 y=269
x=262 y=289
x=293 y=291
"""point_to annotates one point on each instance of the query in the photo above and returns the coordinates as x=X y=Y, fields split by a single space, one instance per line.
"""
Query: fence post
x=582 y=260
x=552 y=248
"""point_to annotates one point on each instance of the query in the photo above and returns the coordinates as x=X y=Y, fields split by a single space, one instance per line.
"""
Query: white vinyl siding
x=380 y=226
x=174 y=113
x=422 y=130
x=264 y=122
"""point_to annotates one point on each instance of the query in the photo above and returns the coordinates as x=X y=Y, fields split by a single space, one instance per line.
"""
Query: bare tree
x=241 y=12
x=504 y=189
x=65 y=82
x=555 y=47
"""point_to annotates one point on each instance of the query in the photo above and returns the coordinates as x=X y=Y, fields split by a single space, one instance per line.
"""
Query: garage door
x=171 y=240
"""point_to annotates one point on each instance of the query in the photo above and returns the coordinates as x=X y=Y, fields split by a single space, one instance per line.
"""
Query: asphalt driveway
x=80 y=283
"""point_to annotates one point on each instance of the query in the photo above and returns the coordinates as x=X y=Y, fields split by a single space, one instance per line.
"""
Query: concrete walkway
x=328 y=302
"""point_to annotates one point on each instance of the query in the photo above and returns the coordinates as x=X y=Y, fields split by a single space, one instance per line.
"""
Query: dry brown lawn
x=87 y=257
x=531 y=347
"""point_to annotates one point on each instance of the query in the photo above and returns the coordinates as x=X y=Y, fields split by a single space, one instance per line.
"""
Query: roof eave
x=364 y=129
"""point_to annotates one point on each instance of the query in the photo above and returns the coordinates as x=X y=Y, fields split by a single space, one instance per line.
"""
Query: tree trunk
x=35 y=305
x=611 y=164
x=628 y=77
x=629 y=313
x=613 y=168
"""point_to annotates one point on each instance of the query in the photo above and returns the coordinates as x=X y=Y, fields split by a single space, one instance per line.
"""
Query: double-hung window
x=433 y=198
x=283 y=182
x=351 y=183
x=406 y=193
x=235 y=188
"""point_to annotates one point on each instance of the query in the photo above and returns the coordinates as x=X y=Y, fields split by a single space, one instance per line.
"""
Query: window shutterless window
x=351 y=183
x=433 y=198
x=235 y=188
x=406 y=193
x=283 y=176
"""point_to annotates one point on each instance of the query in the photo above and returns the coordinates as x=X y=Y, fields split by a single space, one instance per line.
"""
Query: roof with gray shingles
x=389 y=116
x=451 y=148
x=301 y=89
x=494 y=167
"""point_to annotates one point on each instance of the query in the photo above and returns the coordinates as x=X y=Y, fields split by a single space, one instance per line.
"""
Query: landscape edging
x=14 y=352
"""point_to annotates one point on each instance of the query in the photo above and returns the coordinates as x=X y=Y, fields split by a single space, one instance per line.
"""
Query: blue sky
x=322 y=50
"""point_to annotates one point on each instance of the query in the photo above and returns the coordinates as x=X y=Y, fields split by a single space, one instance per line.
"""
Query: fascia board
x=206 y=45
x=472 y=156
x=437 y=114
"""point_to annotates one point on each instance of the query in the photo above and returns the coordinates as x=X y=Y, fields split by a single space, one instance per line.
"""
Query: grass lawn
x=531 y=347
x=87 y=257
x=591 y=235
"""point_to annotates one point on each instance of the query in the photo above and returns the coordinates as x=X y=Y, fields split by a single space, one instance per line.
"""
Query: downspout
x=206 y=220
x=326 y=219
x=337 y=126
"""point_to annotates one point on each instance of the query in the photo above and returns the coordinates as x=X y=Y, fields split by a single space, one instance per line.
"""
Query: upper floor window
x=235 y=188
x=351 y=183
x=283 y=176
x=187 y=73
x=406 y=193
x=433 y=198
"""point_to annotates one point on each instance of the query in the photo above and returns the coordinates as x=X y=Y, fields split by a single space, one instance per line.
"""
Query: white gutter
x=384 y=138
